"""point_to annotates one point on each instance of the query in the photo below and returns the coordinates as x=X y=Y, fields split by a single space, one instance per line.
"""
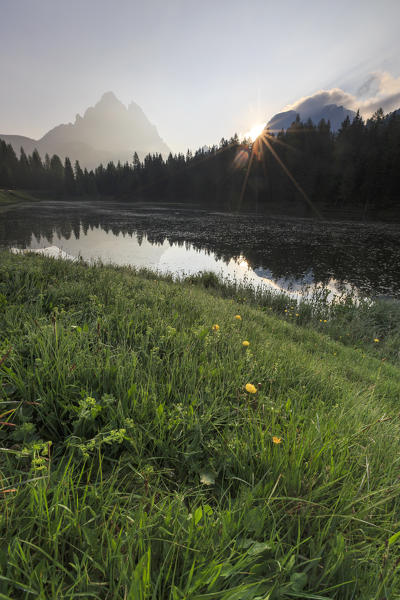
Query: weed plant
x=147 y=454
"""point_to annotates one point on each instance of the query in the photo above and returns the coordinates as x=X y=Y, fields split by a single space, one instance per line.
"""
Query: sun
x=255 y=131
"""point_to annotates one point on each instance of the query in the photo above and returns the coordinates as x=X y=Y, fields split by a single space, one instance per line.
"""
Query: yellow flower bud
x=251 y=388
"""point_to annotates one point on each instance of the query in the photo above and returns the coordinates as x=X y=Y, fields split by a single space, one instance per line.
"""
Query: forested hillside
x=306 y=165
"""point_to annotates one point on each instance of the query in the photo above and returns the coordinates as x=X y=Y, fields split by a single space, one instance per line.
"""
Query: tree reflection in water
x=365 y=255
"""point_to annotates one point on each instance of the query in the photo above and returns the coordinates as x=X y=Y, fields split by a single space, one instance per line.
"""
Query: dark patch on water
x=291 y=252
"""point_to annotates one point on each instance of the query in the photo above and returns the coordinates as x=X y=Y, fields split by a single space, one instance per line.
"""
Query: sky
x=200 y=70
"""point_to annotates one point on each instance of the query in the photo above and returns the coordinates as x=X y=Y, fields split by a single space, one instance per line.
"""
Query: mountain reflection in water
x=285 y=254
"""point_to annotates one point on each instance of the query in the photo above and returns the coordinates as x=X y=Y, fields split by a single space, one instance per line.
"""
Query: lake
x=294 y=255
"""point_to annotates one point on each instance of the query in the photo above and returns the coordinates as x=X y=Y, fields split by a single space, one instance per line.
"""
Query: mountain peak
x=106 y=131
x=109 y=98
x=330 y=112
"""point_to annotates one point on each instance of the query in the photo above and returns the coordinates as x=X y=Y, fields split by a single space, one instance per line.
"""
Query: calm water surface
x=285 y=254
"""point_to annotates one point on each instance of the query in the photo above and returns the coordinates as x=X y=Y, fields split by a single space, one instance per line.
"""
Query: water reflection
x=283 y=254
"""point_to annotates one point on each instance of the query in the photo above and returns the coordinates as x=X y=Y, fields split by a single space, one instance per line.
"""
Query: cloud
x=322 y=98
x=370 y=86
x=384 y=92
x=379 y=90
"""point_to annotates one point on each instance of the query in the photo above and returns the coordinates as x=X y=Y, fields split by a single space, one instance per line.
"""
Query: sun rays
x=265 y=138
x=255 y=131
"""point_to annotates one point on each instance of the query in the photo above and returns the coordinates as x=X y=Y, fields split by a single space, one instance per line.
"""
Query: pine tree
x=69 y=178
x=79 y=179
x=56 y=174
x=37 y=170
x=24 y=177
x=8 y=166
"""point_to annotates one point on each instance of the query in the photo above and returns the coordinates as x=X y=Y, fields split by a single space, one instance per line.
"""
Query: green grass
x=14 y=196
x=134 y=465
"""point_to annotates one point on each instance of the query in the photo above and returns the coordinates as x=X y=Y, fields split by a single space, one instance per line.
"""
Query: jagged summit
x=107 y=131
x=109 y=98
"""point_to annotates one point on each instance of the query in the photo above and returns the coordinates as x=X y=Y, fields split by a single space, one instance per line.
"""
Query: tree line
x=305 y=166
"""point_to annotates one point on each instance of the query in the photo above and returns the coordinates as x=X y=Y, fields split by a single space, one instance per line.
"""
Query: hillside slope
x=147 y=453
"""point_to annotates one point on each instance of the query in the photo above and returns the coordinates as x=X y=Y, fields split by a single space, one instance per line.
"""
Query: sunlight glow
x=242 y=262
x=265 y=137
x=255 y=131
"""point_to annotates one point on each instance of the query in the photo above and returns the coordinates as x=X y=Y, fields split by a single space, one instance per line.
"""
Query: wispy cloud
x=379 y=90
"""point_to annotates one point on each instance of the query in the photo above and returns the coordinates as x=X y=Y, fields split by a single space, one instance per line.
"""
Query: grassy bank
x=15 y=196
x=135 y=464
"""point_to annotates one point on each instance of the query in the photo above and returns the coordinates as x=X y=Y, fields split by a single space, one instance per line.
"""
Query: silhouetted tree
x=357 y=168
x=56 y=180
x=79 y=179
x=69 y=178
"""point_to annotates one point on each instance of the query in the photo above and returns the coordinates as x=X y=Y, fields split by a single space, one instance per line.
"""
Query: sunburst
x=255 y=131
x=266 y=138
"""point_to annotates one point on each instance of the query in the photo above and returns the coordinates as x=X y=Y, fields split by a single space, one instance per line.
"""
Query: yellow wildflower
x=251 y=388
x=276 y=440
x=245 y=343
x=238 y=317
x=215 y=327
x=325 y=321
x=285 y=309
x=297 y=315
x=376 y=340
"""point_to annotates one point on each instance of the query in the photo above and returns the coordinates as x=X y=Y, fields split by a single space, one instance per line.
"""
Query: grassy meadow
x=146 y=453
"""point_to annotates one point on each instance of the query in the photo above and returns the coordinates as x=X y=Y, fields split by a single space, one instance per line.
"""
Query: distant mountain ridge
x=330 y=112
x=107 y=131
